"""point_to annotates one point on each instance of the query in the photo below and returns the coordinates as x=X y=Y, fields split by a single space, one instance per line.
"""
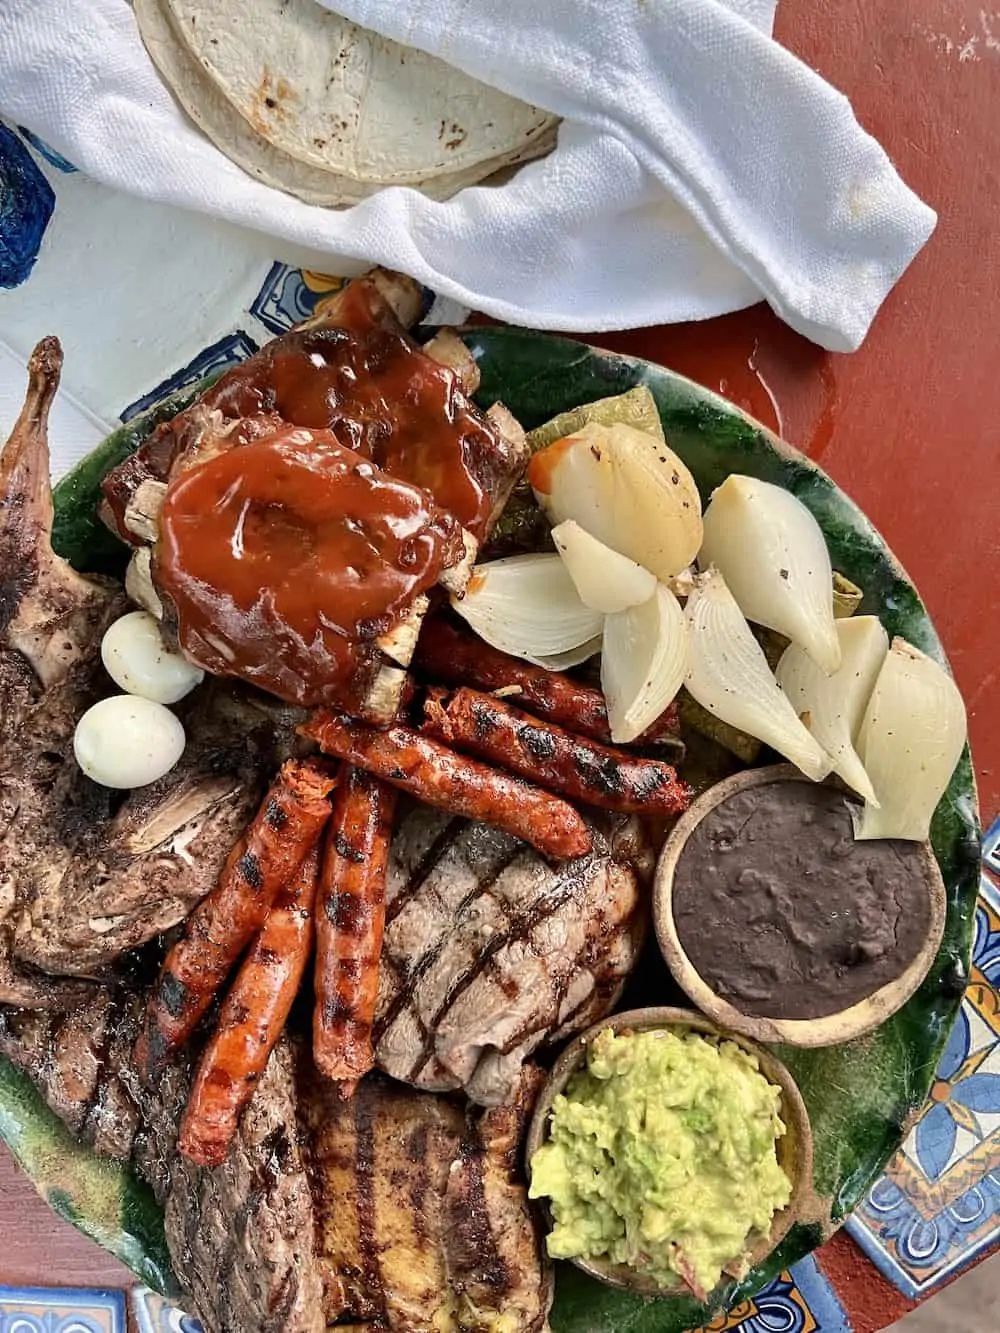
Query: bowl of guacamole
x=667 y=1153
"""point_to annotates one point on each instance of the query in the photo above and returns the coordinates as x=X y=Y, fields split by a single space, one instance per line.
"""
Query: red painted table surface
x=909 y=426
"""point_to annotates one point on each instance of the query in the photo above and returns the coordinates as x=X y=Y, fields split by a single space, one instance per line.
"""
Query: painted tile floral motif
x=58 y=1310
x=938 y=1205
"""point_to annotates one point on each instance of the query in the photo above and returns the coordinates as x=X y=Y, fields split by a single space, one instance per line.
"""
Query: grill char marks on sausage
x=449 y=655
x=263 y=861
x=349 y=927
x=251 y=1019
x=440 y=777
x=541 y=752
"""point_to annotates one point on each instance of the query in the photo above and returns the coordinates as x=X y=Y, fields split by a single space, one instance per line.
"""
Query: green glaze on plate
x=861 y=1097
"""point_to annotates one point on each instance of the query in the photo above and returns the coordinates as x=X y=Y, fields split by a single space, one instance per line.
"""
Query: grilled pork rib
x=351 y=372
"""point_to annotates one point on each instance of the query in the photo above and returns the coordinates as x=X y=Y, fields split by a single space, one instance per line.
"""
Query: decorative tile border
x=937 y=1208
x=61 y=1310
x=53 y=158
x=155 y=1314
x=289 y=295
x=228 y=351
x=797 y=1301
x=27 y=201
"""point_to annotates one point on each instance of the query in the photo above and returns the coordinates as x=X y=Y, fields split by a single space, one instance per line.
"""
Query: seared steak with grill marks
x=75 y=1060
x=397 y=1208
x=422 y=1218
x=489 y=951
x=241 y=1235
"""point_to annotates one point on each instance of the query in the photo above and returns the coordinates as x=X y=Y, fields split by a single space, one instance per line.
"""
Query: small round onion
x=126 y=741
x=137 y=660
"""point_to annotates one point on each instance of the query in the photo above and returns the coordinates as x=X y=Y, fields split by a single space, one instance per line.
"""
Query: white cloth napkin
x=700 y=166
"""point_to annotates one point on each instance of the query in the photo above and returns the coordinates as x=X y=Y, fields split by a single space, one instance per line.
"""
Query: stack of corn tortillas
x=316 y=106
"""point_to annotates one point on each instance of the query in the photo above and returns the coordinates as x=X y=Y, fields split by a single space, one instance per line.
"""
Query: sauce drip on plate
x=285 y=558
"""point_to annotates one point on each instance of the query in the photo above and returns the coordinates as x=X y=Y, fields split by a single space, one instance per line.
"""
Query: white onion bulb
x=911 y=738
x=643 y=663
x=832 y=707
x=604 y=579
x=127 y=742
x=627 y=489
x=528 y=606
x=772 y=554
x=139 y=662
x=728 y=674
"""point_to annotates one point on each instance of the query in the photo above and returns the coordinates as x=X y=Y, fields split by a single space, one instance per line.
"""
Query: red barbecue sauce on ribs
x=379 y=395
x=286 y=557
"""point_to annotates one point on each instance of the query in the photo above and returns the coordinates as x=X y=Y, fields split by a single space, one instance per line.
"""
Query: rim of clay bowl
x=794 y=1148
x=833 y=1029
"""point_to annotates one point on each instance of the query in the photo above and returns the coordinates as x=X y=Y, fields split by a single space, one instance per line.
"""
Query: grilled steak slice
x=489 y=951
x=74 y=1060
x=241 y=1235
x=492 y=1255
x=423 y=1221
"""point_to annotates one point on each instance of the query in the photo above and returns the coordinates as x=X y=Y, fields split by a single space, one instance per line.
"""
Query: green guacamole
x=662 y=1155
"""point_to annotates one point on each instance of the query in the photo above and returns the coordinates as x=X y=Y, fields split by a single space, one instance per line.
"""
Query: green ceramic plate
x=861 y=1097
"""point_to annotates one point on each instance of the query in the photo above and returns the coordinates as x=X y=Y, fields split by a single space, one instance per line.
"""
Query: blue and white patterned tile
x=51 y=156
x=991 y=847
x=800 y=1300
x=61 y=1310
x=27 y=201
x=289 y=295
x=228 y=351
x=155 y=1314
x=130 y=286
x=937 y=1207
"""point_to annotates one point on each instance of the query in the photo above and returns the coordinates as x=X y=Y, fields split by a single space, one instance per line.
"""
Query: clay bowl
x=832 y=1029
x=794 y=1149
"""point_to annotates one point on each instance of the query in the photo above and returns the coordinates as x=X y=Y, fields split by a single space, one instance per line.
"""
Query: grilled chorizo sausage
x=280 y=836
x=483 y=725
x=447 y=655
x=440 y=777
x=349 y=923
x=251 y=1020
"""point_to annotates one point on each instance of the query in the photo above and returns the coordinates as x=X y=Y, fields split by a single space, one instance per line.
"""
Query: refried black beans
x=784 y=915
